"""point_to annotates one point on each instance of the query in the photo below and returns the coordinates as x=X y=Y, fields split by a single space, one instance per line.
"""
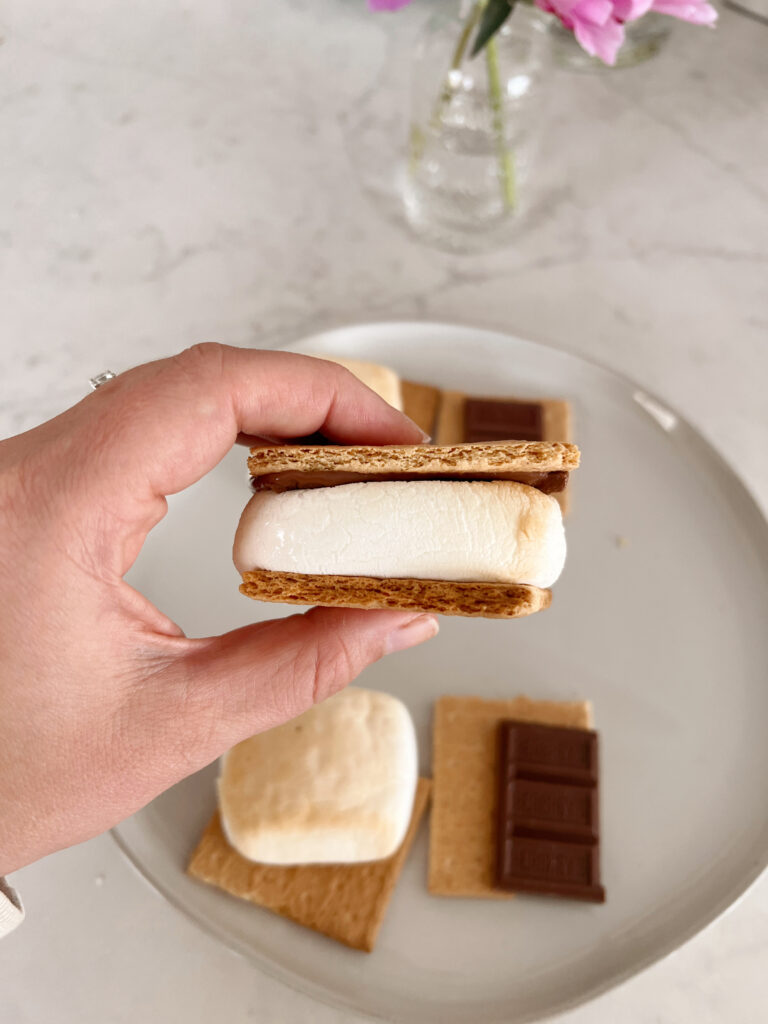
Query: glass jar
x=475 y=124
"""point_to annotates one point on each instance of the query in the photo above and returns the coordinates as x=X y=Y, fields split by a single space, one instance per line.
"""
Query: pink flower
x=599 y=24
x=387 y=5
x=593 y=22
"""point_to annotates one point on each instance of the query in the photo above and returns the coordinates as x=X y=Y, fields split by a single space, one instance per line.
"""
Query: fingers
x=231 y=687
x=167 y=423
x=158 y=428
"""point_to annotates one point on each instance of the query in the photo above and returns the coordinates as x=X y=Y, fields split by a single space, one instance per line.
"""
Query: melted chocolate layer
x=547 y=483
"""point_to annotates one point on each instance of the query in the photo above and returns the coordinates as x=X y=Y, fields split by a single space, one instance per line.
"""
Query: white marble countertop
x=175 y=171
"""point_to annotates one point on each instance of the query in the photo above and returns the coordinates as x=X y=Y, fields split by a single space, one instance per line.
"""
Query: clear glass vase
x=643 y=39
x=474 y=128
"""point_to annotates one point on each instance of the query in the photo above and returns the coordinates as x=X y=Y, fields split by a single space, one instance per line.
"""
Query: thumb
x=227 y=688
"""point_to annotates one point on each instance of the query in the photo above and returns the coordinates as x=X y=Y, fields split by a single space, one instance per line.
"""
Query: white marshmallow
x=335 y=785
x=381 y=379
x=494 y=531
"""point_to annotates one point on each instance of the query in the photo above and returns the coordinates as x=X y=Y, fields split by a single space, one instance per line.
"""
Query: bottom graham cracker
x=462 y=834
x=443 y=597
x=346 y=902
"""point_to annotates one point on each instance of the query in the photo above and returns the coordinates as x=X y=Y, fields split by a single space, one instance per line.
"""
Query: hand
x=105 y=702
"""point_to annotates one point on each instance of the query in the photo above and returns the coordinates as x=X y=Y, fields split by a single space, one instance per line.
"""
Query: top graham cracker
x=480 y=457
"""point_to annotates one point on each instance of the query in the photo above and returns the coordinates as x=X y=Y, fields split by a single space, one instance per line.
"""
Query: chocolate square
x=552 y=754
x=552 y=869
x=554 y=811
x=489 y=420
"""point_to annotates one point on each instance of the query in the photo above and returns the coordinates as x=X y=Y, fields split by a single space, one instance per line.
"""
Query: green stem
x=457 y=60
x=461 y=46
x=506 y=161
x=446 y=93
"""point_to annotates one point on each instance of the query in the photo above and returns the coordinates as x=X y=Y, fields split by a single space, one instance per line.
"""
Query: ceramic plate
x=659 y=618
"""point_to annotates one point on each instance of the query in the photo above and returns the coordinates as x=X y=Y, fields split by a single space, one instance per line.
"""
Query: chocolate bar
x=548 y=831
x=493 y=420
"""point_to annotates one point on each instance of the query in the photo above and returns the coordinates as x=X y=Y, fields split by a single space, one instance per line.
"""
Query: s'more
x=316 y=817
x=465 y=529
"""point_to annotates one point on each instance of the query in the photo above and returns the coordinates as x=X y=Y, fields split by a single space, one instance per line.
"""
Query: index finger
x=158 y=428
x=217 y=391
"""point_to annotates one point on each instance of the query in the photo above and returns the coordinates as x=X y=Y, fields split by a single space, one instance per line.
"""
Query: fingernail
x=425 y=437
x=414 y=631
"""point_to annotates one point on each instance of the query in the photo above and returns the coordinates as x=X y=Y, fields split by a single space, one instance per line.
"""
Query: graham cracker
x=346 y=902
x=442 y=597
x=462 y=836
x=480 y=457
x=556 y=425
x=420 y=402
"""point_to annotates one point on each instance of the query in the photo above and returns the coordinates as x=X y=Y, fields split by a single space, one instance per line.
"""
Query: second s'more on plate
x=465 y=529
x=316 y=817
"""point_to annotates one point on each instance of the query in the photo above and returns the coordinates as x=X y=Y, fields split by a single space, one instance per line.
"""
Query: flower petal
x=630 y=10
x=387 y=5
x=596 y=12
x=698 y=12
x=561 y=8
x=603 y=41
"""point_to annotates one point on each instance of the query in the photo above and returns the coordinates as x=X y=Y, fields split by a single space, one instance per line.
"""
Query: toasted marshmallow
x=335 y=785
x=477 y=531
x=381 y=379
